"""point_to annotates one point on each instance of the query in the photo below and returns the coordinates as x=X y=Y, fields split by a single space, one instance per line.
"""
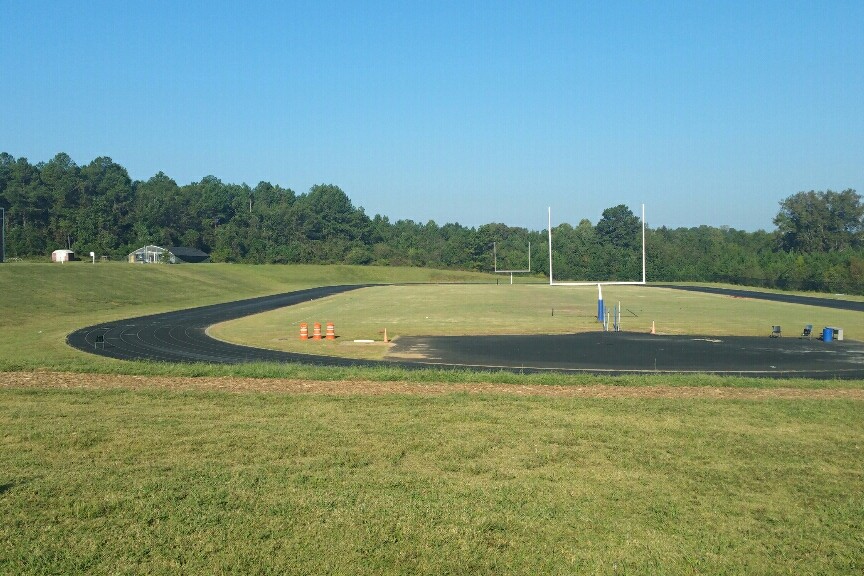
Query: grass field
x=519 y=309
x=160 y=482
x=139 y=476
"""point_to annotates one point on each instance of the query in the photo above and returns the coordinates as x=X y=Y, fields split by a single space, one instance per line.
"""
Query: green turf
x=520 y=309
x=123 y=482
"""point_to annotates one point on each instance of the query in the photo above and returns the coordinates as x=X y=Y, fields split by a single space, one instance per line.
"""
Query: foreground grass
x=122 y=481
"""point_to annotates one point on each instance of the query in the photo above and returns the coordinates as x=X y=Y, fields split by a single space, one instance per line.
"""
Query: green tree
x=27 y=204
x=820 y=221
x=620 y=227
x=157 y=212
x=103 y=220
x=60 y=177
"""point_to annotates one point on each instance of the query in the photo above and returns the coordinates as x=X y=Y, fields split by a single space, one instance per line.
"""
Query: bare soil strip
x=69 y=380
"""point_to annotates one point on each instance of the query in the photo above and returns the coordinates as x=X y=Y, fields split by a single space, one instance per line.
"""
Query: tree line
x=818 y=243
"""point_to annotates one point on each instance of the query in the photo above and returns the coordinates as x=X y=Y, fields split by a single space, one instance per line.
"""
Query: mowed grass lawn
x=477 y=309
x=129 y=482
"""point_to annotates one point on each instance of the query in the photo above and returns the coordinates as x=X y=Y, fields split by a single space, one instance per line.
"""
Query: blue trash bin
x=827 y=334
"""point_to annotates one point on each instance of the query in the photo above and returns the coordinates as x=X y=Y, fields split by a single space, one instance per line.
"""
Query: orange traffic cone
x=331 y=331
x=304 y=331
x=316 y=331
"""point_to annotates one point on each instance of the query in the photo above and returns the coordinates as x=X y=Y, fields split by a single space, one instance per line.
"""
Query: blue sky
x=471 y=112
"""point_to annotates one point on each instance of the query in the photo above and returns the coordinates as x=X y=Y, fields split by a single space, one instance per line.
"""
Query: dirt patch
x=68 y=380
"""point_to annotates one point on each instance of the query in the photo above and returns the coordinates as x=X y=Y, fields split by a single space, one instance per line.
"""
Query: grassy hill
x=42 y=303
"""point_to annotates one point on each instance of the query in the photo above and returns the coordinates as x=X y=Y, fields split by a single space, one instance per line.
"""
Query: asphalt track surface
x=181 y=337
x=774 y=297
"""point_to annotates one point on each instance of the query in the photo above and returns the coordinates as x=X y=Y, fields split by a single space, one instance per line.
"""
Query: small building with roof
x=151 y=254
x=62 y=256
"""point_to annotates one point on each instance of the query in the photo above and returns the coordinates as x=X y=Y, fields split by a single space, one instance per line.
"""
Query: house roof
x=149 y=248
x=187 y=252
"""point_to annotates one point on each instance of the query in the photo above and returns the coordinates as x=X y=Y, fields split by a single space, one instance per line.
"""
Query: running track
x=181 y=337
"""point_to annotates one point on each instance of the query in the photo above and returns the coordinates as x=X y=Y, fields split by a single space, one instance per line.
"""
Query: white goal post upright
x=552 y=282
x=550 y=247
x=644 y=279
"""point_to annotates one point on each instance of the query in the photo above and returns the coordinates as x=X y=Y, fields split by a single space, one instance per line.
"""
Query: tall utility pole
x=550 y=245
x=644 y=277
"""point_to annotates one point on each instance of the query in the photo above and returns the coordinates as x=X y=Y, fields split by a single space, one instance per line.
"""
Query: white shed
x=62 y=256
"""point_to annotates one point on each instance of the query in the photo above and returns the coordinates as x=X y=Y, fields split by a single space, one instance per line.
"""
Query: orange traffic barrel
x=331 y=331
x=304 y=331
x=316 y=331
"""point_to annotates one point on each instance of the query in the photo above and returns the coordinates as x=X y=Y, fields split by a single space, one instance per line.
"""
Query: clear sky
x=471 y=112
